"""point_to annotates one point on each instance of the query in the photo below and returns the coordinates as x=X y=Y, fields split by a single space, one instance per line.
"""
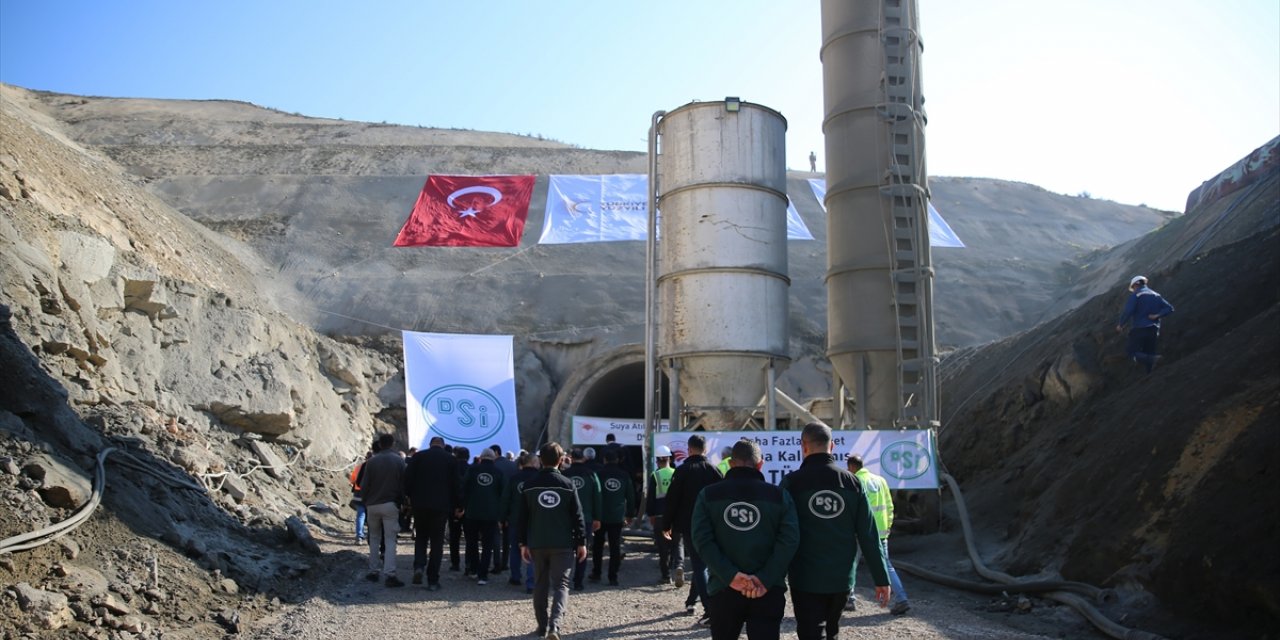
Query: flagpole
x=650 y=302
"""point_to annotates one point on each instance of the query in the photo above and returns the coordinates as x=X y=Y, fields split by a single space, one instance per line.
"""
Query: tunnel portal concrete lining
x=608 y=386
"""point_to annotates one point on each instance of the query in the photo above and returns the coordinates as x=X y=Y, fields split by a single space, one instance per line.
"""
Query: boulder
x=51 y=610
x=63 y=486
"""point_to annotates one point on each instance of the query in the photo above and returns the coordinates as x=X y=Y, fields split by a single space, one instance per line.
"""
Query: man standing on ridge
x=617 y=508
x=1144 y=308
x=881 y=503
x=746 y=530
x=690 y=478
x=835 y=522
x=432 y=486
x=587 y=484
x=383 y=490
x=551 y=537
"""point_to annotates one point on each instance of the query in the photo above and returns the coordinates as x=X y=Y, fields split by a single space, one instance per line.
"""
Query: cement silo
x=721 y=269
x=879 y=277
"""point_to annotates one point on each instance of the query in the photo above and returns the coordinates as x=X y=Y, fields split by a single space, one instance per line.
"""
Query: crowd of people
x=545 y=518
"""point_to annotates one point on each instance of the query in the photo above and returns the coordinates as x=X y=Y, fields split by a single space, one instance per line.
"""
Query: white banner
x=940 y=233
x=906 y=459
x=611 y=208
x=589 y=430
x=461 y=388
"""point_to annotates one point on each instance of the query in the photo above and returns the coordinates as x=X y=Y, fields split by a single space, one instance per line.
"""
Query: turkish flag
x=468 y=211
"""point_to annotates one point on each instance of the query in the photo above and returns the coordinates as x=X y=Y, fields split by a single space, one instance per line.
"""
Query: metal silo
x=721 y=272
x=879 y=276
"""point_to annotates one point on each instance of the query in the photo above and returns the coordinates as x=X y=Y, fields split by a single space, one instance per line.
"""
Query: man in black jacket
x=431 y=484
x=691 y=477
x=551 y=537
x=617 y=508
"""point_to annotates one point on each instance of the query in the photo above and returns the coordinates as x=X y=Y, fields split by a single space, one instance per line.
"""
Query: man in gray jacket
x=383 y=490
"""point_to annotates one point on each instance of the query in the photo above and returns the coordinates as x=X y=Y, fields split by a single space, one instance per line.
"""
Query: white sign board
x=906 y=459
x=462 y=388
x=589 y=430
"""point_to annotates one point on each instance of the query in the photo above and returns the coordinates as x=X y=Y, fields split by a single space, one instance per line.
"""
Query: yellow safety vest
x=723 y=466
x=878 y=497
x=662 y=482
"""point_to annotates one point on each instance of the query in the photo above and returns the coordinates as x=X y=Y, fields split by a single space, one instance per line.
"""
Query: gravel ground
x=345 y=605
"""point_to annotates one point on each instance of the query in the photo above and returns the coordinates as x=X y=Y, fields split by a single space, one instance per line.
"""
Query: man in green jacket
x=835 y=521
x=617 y=508
x=584 y=479
x=482 y=504
x=551 y=537
x=746 y=531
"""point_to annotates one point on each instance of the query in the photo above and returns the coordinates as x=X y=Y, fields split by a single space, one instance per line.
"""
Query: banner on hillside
x=461 y=388
x=940 y=233
x=906 y=459
x=468 y=211
x=611 y=208
x=590 y=430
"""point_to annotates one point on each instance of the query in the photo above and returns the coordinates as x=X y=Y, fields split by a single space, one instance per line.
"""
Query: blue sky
x=1136 y=101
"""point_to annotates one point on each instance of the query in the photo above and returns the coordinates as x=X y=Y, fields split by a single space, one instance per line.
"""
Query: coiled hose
x=1064 y=591
x=25 y=541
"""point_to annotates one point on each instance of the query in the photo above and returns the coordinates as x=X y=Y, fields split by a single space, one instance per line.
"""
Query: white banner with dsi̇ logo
x=589 y=430
x=462 y=388
x=906 y=459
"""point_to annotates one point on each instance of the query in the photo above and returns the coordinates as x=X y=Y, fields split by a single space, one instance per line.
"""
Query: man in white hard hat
x=670 y=552
x=1143 y=311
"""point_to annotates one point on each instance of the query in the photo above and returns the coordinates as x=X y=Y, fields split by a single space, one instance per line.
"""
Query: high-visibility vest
x=878 y=497
x=723 y=466
x=662 y=482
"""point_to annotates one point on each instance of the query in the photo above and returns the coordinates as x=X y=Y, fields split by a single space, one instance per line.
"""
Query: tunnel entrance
x=608 y=386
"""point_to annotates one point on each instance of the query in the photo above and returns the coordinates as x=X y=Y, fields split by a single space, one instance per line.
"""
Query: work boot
x=417 y=576
x=900 y=607
x=679 y=577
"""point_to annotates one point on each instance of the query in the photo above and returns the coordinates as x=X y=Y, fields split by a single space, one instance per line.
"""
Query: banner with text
x=590 y=430
x=906 y=459
x=611 y=208
x=940 y=233
x=462 y=388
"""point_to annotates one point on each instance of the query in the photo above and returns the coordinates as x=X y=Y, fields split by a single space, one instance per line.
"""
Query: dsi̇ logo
x=826 y=504
x=463 y=413
x=742 y=516
x=613 y=484
x=484 y=479
x=579 y=483
x=549 y=499
x=905 y=460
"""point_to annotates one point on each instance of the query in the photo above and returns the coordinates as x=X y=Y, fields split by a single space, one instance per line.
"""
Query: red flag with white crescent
x=468 y=211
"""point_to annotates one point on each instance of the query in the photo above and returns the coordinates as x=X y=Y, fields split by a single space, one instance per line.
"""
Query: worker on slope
x=881 y=503
x=1143 y=309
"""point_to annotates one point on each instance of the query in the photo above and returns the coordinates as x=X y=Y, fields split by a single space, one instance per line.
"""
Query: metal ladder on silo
x=905 y=192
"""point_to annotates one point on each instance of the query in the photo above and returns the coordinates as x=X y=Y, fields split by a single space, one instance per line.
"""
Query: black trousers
x=482 y=543
x=818 y=612
x=762 y=616
x=429 y=533
x=455 y=540
x=612 y=532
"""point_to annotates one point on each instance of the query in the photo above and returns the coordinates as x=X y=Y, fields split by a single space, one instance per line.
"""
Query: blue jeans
x=514 y=560
x=361 y=514
x=895 y=583
x=697 y=586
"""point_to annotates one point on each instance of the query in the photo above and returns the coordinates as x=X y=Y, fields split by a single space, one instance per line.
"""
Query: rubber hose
x=1030 y=586
x=1085 y=609
x=52 y=532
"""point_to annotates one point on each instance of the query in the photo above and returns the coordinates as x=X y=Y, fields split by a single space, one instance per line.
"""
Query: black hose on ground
x=1009 y=583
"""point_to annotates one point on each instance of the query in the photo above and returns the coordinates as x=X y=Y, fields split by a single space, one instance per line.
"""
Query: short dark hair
x=577 y=453
x=854 y=460
x=550 y=454
x=386 y=441
x=436 y=441
x=610 y=455
x=697 y=442
x=747 y=452
x=609 y=437
x=816 y=434
x=462 y=453
x=497 y=448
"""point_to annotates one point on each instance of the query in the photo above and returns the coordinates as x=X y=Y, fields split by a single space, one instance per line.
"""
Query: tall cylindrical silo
x=879 y=276
x=722 y=260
